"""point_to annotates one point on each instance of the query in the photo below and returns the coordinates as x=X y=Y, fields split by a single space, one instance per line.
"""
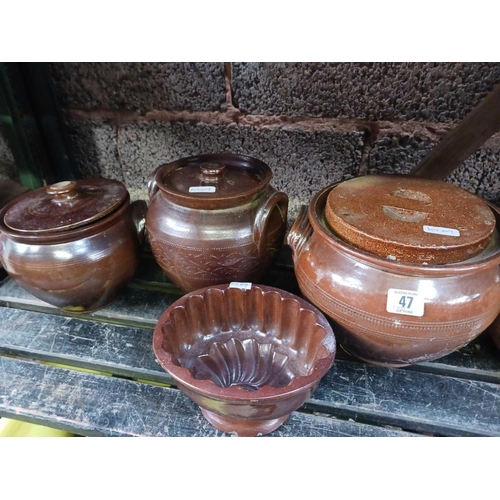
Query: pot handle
x=300 y=233
x=152 y=185
x=277 y=200
x=139 y=208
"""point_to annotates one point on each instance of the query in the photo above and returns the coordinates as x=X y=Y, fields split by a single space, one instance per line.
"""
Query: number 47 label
x=405 y=302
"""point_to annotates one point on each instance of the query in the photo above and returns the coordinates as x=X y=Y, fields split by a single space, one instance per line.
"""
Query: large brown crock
x=214 y=219
x=392 y=312
x=74 y=244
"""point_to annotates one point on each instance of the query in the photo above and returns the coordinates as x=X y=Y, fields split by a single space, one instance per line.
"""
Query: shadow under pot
x=74 y=244
x=494 y=332
x=376 y=263
x=215 y=219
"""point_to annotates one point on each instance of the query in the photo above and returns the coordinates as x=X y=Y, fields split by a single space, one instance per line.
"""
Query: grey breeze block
x=140 y=85
x=439 y=92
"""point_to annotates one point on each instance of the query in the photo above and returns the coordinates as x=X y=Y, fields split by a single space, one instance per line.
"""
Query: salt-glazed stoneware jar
x=214 y=219
x=410 y=274
x=74 y=244
x=247 y=356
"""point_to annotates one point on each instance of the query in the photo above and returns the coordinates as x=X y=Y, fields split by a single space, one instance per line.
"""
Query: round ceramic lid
x=65 y=205
x=410 y=219
x=214 y=177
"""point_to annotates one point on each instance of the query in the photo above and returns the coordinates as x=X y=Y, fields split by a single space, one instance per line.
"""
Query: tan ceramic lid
x=410 y=219
x=214 y=177
x=65 y=205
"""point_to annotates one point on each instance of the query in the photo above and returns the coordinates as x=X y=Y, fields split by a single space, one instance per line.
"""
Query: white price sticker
x=242 y=286
x=202 y=189
x=405 y=302
x=446 y=231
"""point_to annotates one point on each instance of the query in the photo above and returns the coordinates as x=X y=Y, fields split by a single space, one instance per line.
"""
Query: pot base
x=243 y=427
x=82 y=310
x=375 y=363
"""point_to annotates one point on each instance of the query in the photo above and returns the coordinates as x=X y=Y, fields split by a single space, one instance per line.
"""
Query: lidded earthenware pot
x=215 y=219
x=408 y=268
x=74 y=244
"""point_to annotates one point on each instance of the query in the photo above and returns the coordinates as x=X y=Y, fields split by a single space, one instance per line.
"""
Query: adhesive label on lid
x=446 y=231
x=405 y=302
x=202 y=189
x=240 y=285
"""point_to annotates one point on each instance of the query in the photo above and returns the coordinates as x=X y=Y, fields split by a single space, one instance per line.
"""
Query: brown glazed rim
x=317 y=206
x=194 y=201
x=235 y=393
x=90 y=229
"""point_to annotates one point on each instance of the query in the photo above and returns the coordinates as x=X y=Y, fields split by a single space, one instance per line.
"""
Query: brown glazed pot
x=248 y=358
x=232 y=232
x=435 y=309
x=74 y=244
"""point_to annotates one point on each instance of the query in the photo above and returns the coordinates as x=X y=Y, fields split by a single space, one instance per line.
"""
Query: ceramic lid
x=65 y=205
x=409 y=218
x=213 y=179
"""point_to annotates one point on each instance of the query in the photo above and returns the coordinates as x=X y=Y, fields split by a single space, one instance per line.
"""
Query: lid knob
x=63 y=191
x=209 y=169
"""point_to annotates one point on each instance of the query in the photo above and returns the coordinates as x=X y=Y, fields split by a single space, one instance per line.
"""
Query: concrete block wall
x=313 y=123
